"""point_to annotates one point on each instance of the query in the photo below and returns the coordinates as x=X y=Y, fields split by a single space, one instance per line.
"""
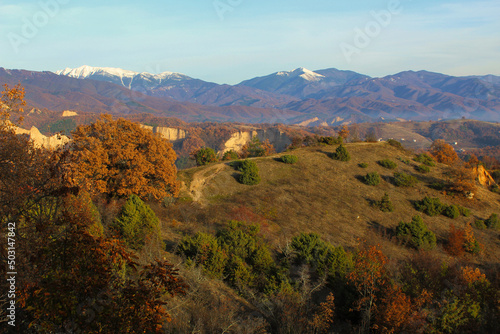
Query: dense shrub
x=372 y=179
x=204 y=156
x=404 y=180
x=423 y=168
x=388 y=164
x=236 y=253
x=430 y=206
x=256 y=148
x=425 y=159
x=242 y=243
x=322 y=256
x=451 y=211
x=464 y=211
x=204 y=251
x=437 y=186
x=341 y=154
x=249 y=172
x=493 y=221
x=416 y=234
x=239 y=239
x=330 y=140
x=135 y=221
x=310 y=141
x=230 y=155
x=363 y=165
x=238 y=273
x=385 y=204
x=289 y=159
x=395 y=143
x=405 y=161
x=480 y=225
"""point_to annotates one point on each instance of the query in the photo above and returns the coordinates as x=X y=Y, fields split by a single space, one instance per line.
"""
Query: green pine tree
x=135 y=221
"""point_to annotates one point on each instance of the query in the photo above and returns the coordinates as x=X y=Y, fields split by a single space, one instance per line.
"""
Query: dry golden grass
x=323 y=195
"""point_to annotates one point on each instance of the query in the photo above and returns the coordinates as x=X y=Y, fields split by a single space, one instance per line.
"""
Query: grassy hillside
x=468 y=134
x=326 y=196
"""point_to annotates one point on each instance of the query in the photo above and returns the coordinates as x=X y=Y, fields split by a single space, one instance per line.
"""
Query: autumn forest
x=336 y=234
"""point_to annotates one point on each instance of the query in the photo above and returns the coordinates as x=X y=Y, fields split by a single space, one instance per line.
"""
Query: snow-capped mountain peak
x=126 y=78
x=302 y=72
x=86 y=71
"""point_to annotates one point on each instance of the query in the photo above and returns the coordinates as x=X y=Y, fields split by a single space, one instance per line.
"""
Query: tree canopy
x=11 y=105
x=443 y=152
x=119 y=158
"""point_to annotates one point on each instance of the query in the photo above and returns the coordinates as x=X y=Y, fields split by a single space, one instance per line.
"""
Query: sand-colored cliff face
x=483 y=177
x=69 y=113
x=171 y=134
x=276 y=137
x=238 y=140
x=55 y=141
x=41 y=140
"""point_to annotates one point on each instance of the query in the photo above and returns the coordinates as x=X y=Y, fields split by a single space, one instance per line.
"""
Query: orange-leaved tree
x=462 y=240
x=11 y=105
x=397 y=312
x=344 y=132
x=443 y=152
x=455 y=243
x=473 y=161
x=462 y=179
x=119 y=158
x=369 y=277
x=322 y=319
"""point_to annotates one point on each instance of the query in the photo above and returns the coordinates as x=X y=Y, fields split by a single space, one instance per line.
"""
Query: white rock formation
x=276 y=137
x=41 y=140
x=69 y=113
x=172 y=134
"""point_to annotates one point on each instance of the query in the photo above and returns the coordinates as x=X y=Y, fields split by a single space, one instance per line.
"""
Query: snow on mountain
x=304 y=73
x=301 y=82
x=85 y=71
x=118 y=75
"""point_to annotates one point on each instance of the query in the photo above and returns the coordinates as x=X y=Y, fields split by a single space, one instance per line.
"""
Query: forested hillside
x=331 y=236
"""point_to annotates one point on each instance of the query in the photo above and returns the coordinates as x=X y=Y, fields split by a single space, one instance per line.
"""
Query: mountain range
x=301 y=96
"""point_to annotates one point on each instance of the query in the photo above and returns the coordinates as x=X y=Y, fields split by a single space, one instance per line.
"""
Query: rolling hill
x=325 y=196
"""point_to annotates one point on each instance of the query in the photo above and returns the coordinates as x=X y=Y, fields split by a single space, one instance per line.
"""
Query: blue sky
x=241 y=39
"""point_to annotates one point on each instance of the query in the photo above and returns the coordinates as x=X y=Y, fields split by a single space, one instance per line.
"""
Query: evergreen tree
x=342 y=154
x=135 y=221
x=417 y=233
x=204 y=156
x=385 y=204
x=249 y=173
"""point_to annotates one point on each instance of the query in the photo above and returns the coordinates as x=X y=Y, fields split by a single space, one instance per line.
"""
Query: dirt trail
x=199 y=181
